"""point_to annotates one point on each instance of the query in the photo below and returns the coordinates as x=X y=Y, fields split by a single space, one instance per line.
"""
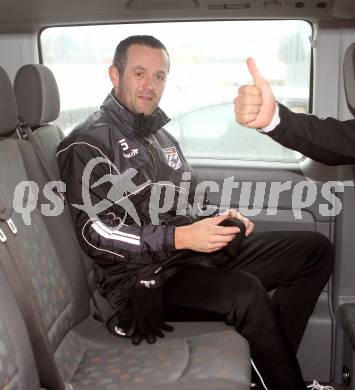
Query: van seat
x=38 y=105
x=17 y=364
x=82 y=354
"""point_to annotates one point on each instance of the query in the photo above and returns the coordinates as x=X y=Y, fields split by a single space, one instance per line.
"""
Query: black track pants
x=296 y=264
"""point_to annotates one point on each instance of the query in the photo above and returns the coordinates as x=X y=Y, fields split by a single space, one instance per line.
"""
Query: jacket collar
x=141 y=125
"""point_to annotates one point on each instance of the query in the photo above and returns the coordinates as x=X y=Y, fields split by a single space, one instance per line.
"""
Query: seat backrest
x=18 y=368
x=38 y=104
x=44 y=256
x=349 y=77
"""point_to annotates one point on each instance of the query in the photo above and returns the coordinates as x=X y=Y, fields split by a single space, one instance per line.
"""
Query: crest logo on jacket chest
x=172 y=157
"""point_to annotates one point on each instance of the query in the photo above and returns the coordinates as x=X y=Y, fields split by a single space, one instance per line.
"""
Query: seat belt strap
x=42 y=158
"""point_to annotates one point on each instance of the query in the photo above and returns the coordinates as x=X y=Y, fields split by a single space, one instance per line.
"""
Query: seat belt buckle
x=2 y=236
x=12 y=226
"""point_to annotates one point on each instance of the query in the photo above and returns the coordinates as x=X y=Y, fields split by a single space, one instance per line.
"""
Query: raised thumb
x=254 y=71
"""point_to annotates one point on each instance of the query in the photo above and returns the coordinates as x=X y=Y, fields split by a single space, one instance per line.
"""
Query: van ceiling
x=32 y=15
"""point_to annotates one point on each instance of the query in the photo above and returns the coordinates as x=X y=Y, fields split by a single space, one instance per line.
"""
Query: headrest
x=37 y=95
x=8 y=109
x=349 y=76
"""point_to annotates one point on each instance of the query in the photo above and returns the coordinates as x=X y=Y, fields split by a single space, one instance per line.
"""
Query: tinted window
x=207 y=66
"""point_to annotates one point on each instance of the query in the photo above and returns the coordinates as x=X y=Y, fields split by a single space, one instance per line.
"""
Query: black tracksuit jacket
x=136 y=152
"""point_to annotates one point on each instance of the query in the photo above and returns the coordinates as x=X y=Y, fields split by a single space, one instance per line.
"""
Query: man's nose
x=149 y=82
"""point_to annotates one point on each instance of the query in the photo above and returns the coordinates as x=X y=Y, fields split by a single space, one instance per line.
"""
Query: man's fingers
x=216 y=220
x=248 y=224
x=151 y=338
x=252 y=90
x=223 y=231
x=250 y=229
x=167 y=327
x=222 y=239
x=246 y=119
x=136 y=339
x=247 y=109
x=253 y=70
x=153 y=328
x=254 y=106
x=245 y=98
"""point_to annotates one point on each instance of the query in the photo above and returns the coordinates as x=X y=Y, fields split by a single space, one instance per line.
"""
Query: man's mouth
x=146 y=98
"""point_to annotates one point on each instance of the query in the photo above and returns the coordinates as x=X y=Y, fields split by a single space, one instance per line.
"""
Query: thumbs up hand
x=255 y=104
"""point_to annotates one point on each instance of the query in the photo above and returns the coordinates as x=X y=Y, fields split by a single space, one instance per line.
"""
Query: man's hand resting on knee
x=232 y=249
x=207 y=235
x=249 y=226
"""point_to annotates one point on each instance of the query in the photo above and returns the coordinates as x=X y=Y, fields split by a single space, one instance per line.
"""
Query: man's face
x=142 y=82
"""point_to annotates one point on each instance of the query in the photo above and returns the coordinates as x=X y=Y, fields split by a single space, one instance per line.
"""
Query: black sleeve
x=329 y=140
x=108 y=233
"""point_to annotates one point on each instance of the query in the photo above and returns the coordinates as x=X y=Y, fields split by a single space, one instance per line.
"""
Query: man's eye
x=139 y=74
x=160 y=77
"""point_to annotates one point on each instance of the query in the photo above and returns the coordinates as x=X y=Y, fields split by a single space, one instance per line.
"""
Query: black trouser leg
x=297 y=265
x=244 y=303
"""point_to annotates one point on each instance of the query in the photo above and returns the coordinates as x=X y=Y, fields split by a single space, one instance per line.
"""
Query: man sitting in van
x=119 y=166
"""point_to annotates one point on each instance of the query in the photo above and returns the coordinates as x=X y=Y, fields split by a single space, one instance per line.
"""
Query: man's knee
x=320 y=240
x=244 y=292
x=250 y=304
x=323 y=250
x=254 y=292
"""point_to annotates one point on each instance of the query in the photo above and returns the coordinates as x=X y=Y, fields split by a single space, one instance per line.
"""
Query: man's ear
x=114 y=76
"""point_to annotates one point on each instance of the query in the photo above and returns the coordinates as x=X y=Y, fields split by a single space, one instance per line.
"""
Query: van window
x=207 y=66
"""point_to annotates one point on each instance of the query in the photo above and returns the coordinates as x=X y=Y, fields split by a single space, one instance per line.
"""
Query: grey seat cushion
x=205 y=384
x=17 y=364
x=93 y=358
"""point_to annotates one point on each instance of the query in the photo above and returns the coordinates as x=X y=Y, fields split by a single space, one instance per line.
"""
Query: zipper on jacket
x=154 y=158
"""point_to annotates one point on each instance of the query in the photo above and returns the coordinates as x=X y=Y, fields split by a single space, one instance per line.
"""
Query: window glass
x=207 y=66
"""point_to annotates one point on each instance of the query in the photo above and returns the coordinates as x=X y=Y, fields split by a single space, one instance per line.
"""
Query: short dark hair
x=120 y=57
